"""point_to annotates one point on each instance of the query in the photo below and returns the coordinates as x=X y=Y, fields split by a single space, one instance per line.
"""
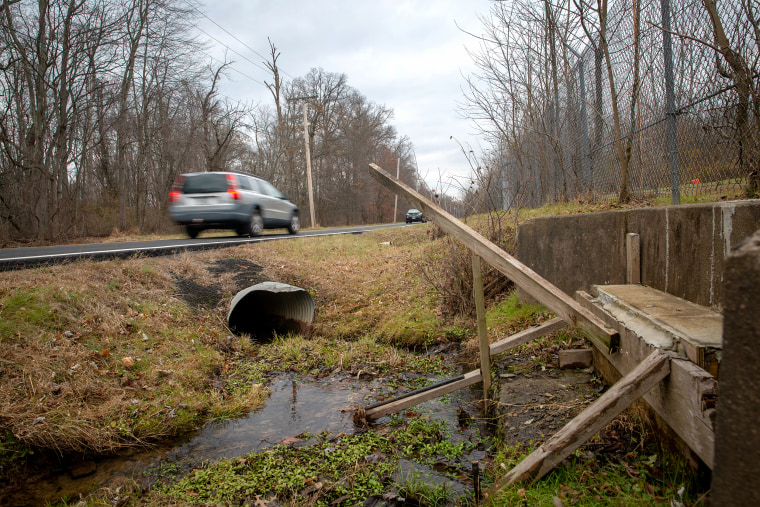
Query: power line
x=258 y=65
x=236 y=70
x=234 y=37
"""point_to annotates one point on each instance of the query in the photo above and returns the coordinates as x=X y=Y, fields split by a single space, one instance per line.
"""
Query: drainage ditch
x=296 y=406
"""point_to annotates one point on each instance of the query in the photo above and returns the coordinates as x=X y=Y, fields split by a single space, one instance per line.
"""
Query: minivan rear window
x=205 y=183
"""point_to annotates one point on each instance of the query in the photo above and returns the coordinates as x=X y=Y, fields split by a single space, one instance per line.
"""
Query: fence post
x=584 y=118
x=670 y=104
x=480 y=307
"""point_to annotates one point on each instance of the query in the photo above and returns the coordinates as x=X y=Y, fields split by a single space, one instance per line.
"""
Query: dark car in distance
x=227 y=200
x=415 y=215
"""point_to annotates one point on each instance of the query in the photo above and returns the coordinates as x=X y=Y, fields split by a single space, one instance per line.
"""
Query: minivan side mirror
x=284 y=197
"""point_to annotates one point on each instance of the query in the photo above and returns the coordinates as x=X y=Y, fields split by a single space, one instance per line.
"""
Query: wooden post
x=737 y=441
x=628 y=389
x=633 y=258
x=480 y=307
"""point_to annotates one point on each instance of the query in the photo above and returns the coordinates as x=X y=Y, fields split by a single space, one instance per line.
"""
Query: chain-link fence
x=680 y=113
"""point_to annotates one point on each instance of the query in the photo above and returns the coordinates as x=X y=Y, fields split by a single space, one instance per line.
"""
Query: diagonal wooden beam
x=397 y=405
x=653 y=369
x=527 y=335
x=530 y=281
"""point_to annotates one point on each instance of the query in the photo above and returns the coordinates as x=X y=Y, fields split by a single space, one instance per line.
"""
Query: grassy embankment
x=96 y=357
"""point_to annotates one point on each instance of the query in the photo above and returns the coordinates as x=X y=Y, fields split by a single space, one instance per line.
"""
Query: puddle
x=296 y=406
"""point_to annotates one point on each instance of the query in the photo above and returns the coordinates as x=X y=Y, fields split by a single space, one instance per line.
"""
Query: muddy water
x=296 y=406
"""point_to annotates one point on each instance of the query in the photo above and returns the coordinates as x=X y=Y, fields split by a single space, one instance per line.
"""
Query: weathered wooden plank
x=630 y=388
x=480 y=307
x=684 y=402
x=527 y=335
x=470 y=378
x=530 y=281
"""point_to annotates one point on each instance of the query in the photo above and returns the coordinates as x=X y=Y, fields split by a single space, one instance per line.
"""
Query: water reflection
x=295 y=396
x=296 y=406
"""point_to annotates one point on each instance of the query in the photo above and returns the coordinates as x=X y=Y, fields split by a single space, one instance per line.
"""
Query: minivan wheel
x=295 y=224
x=256 y=224
x=192 y=231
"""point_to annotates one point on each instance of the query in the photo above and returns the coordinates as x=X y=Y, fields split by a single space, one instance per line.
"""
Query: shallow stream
x=295 y=407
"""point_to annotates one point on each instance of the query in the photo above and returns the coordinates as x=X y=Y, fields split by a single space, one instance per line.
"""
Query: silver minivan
x=225 y=200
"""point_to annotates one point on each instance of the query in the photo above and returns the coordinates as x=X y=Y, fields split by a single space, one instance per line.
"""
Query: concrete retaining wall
x=683 y=248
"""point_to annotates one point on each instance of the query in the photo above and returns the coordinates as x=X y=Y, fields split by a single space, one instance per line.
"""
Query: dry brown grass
x=360 y=284
x=96 y=356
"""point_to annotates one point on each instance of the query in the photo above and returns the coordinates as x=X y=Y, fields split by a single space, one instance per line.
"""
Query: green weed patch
x=586 y=479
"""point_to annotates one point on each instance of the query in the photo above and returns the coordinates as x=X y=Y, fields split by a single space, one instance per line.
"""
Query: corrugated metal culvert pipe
x=271 y=308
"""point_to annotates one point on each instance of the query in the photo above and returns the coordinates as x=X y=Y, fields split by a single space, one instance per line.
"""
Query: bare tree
x=221 y=121
x=623 y=144
x=44 y=81
x=104 y=103
x=275 y=88
x=734 y=65
x=93 y=97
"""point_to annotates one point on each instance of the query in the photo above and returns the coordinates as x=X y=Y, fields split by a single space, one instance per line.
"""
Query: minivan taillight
x=176 y=191
x=232 y=187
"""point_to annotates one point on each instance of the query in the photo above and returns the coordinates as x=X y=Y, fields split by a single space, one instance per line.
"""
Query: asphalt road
x=20 y=258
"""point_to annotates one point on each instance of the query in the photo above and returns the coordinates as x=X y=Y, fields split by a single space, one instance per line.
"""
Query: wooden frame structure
x=642 y=368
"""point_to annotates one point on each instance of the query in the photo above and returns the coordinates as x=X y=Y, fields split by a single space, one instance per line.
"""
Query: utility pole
x=395 y=206
x=308 y=166
x=308 y=157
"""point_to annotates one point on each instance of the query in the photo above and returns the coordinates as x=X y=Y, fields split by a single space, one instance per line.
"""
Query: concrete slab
x=666 y=321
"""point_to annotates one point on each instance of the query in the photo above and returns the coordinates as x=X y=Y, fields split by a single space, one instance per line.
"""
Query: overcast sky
x=406 y=55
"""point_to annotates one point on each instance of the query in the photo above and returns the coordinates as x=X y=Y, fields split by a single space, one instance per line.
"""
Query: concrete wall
x=683 y=248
